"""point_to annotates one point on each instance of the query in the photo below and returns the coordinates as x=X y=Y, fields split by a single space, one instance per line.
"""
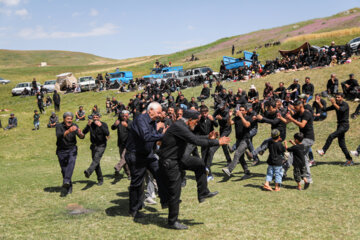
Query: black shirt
x=342 y=114
x=316 y=107
x=332 y=87
x=122 y=133
x=241 y=132
x=275 y=122
x=298 y=155
x=205 y=126
x=276 y=153
x=98 y=135
x=64 y=143
x=224 y=125
x=282 y=93
x=308 y=89
x=177 y=137
x=308 y=130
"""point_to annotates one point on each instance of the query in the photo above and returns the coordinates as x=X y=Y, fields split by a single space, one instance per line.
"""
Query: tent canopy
x=65 y=80
x=305 y=47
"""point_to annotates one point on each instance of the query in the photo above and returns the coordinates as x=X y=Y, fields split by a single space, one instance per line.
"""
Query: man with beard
x=281 y=91
x=66 y=150
x=332 y=85
x=349 y=87
x=342 y=115
x=99 y=133
x=172 y=149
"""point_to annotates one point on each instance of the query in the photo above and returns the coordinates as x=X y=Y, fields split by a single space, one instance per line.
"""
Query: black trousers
x=340 y=135
x=41 y=107
x=67 y=159
x=57 y=107
x=207 y=155
x=96 y=154
x=138 y=165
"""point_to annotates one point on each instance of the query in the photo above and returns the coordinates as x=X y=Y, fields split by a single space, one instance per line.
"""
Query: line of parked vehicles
x=88 y=83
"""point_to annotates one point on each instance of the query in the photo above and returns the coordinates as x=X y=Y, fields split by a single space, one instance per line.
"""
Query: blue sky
x=122 y=29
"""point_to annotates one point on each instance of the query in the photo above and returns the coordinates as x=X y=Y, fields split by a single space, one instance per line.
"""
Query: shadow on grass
x=318 y=163
x=116 y=178
x=88 y=183
x=53 y=189
x=154 y=218
x=123 y=194
x=252 y=175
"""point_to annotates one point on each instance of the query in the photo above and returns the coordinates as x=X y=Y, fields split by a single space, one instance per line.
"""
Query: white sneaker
x=150 y=201
x=357 y=100
x=210 y=178
x=153 y=195
x=320 y=152
x=354 y=153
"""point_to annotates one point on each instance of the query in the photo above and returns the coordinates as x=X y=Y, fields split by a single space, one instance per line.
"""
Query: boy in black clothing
x=298 y=159
x=275 y=161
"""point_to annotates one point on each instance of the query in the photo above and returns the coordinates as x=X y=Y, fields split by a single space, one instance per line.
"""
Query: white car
x=354 y=44
x=4 y=81
x=20 y=87
x=87 y=83
x=49 y=85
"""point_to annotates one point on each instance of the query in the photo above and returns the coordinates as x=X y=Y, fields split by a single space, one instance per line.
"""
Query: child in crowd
x=36 y=120
x=275 y=161
x=108 y=105
x=298 y=159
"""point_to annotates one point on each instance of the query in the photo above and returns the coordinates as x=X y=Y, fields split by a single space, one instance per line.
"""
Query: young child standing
x=275 y=161
x=36 y=120
x=298 y=160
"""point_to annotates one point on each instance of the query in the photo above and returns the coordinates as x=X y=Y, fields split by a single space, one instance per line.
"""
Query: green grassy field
x=31 y=208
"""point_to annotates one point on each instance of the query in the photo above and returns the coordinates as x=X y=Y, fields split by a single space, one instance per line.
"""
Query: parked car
x=193 y=72
x=49 y=85
x=4 y=81
x=354 y=44
x=20 y=87
x=168 y=75
x=87 y=83
x=121 y=76
x=157 y=73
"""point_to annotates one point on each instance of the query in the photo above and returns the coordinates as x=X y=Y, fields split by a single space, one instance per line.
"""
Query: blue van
x=121 y=76
x=231 y=63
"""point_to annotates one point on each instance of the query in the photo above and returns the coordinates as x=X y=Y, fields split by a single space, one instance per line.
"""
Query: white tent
x=65 y=80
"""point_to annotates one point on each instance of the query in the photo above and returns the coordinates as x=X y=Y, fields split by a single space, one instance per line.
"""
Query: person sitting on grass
x=12 y=122
x=36 y=120
x=275 y=161
x=80 y=115
x=53 y=120
x=298 y=159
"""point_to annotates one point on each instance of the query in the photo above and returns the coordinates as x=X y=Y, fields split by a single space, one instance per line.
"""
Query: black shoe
x=66 y=185
x=178 y=226
x=100 y=183
x=209 y=195
x=137 y=214
x=117 y=173
x=86 y=173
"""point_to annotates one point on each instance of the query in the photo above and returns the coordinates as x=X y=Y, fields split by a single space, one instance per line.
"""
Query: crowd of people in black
x=159 y=144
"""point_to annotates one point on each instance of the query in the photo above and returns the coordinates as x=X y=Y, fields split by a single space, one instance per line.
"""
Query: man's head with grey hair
x=68 y=118
x=154 y=110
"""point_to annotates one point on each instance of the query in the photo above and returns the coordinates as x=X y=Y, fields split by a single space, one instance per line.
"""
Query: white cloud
x=94 y=12
x=22 y=12
x=40 y=33
x=10 y=2
x=190 y=27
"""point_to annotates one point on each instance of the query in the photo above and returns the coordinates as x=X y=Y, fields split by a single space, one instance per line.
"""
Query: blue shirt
x=143 y=136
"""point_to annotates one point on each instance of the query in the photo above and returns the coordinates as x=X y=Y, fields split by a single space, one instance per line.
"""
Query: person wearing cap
x=342 y=114
x=171 y=152
x=122 y=125
x=242 y=124
x=66 y=150
x=308 y=89
x=12 y=122
x=294 y=89
x=252 y=93
x=275 y=161
x=304 y=120
x=349 y=87
x=99 y=134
